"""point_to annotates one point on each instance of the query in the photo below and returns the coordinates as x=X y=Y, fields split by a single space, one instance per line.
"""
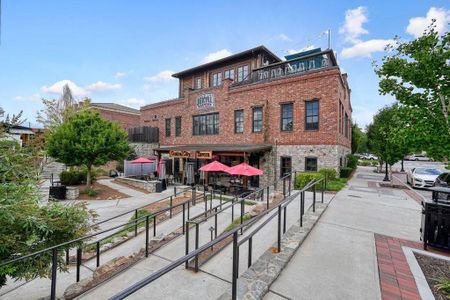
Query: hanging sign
x=203 y=154
x=179 y=153
x=204 y=101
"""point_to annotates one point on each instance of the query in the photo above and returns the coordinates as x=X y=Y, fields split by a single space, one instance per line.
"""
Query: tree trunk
x=386 y=176
x=88 y=177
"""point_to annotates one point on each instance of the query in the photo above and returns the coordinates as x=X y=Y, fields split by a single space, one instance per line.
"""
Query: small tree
x=58 y=111
x=87 y=140
x=359 y=139
x=385 y=136
x=27 y=226
x=417 y=74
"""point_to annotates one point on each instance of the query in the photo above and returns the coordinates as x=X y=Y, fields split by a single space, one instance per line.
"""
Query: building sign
x=204 y=101
x=180 y=153
x=203 y=154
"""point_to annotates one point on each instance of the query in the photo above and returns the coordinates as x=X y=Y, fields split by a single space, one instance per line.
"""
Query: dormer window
x=216 y=79
x=229 y=74
x=242 y=73
x=198 y=83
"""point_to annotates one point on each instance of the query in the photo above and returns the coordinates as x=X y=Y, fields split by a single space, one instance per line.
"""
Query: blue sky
x=124 y=51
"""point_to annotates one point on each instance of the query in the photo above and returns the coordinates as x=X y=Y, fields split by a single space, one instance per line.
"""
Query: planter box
x=57 y=192
x=72 y=192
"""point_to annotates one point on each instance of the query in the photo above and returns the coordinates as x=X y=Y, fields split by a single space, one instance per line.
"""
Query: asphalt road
x=408 y=165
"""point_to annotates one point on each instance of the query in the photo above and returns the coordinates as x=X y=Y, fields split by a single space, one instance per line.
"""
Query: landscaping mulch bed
x=103 y=193
x=131 y=187
x=435 y=270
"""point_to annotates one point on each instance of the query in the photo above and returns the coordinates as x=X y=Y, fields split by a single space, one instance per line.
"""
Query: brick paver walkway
x=396 y=279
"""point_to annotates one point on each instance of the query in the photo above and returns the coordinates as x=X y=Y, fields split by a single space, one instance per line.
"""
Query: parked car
x=417 y=157
x=368 y=156
x=422 y=177
x=443 y=180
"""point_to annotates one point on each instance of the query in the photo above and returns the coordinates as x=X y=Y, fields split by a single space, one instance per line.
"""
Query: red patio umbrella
x=142 y=160
x=244 y=169
x=215 y=166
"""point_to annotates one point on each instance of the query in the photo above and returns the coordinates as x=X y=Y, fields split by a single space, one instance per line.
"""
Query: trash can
x=58 y=192
x=436 y=220
x=158 y=187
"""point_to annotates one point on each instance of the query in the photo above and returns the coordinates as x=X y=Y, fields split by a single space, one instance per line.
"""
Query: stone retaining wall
x=149 y=186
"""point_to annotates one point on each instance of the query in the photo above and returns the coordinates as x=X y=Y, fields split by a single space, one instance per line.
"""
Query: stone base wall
x=144 y=149
x=328 y=156
x=149 y=186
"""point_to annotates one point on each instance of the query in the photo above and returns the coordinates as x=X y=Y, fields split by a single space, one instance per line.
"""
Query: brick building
x=279 y=115
x=126 y=116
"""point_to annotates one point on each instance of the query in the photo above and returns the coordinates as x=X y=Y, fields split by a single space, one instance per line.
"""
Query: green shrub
x=345 y=172
x=337 y=184
x=119 y=166
x=91 y=192
x=375 y=163
x=364 y=163
x=352 y=161
x=75 y=177
x=72 y=177
x=303 y=179
x=328 y=173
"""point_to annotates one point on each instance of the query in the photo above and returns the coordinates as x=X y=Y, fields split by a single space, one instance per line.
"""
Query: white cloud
x=417 y=25
x=294 y=51
x=284 y=37
x=57 y=88
x=103 y=86
x=32 y=97
x=122 y=74
x=353 y=25
x=161 y=76
x=366 y=48
x=216 y=55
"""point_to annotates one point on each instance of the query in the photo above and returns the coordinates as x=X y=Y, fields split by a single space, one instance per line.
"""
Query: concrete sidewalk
x=338 y=259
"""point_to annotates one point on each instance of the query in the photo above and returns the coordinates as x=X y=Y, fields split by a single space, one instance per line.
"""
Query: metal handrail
x=135 y=222
x=80 y=239
x=238 y=201
x=140 y=207
x=152 y=277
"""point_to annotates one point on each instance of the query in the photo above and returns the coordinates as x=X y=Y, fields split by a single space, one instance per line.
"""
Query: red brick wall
x=125 y=120
x=322 y=84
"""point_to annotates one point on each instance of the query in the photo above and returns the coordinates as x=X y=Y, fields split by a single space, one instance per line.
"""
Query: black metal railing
x=236 y=243
x=212 y=211
x=292 y=67
x=143 y=134
x=59 y=249
x=261 y=194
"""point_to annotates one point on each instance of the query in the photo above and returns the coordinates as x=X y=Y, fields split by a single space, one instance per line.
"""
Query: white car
x=422 y=177
x=417 y=157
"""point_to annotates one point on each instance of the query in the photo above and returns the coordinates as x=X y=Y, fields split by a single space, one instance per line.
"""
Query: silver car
x=422 y=177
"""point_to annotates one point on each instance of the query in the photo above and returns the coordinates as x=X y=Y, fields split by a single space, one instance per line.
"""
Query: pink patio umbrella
x=142 y=160
x=214 y=166
x=244 y=169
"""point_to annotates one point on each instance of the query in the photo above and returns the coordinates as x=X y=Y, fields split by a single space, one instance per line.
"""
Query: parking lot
x=408 y=165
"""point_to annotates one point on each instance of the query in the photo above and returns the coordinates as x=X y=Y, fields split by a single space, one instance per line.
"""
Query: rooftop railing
x=292 y=67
